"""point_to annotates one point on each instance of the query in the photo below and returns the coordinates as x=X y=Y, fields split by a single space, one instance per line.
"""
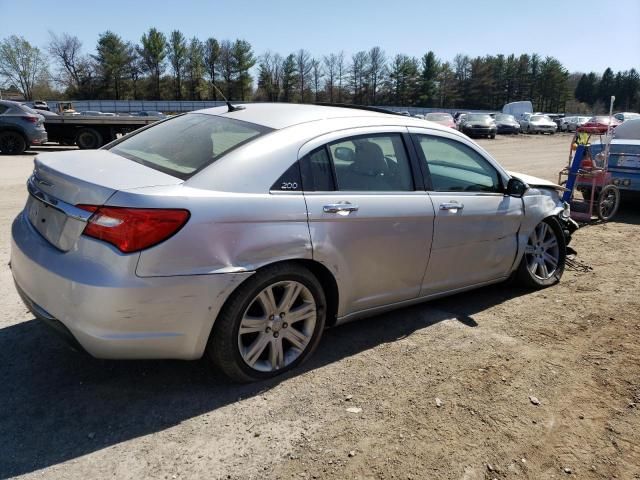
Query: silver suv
x=20 y=128
x=240 y=234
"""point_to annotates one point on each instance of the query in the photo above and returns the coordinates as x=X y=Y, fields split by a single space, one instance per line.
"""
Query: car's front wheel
x=269 y=325
x=544 y=256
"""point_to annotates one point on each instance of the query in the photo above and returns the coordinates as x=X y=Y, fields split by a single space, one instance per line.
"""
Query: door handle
x=342 y=208
x=451 y=206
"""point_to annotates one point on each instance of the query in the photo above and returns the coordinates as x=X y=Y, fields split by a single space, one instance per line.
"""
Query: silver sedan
x=241 y=233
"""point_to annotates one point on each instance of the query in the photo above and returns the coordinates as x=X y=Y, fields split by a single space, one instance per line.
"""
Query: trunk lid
x=62 y=180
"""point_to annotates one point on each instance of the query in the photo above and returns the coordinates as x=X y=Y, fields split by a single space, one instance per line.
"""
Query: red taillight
x=30 y=119
x=133 y=229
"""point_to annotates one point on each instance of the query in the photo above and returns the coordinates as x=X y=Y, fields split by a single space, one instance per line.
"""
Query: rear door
x=370 y=219
x=476 y=224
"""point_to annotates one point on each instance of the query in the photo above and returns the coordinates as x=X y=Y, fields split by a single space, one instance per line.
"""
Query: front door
x=476 y=224
x=369 y=224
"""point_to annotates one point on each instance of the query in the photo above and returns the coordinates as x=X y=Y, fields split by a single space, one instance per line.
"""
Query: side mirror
x=344 y=153
x=516 y=187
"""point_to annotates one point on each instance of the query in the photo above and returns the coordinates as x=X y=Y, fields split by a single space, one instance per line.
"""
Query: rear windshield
x=183 y=145
x=477 y=117
x=438 y=116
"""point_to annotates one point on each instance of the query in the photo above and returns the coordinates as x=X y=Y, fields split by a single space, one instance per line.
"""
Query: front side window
x=455 y=167
x=371 y=163
x=185 y=144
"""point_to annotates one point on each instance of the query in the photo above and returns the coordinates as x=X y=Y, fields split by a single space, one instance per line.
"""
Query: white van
x=518 y=109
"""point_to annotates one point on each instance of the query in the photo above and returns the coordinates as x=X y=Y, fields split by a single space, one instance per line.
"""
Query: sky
x=585 y=35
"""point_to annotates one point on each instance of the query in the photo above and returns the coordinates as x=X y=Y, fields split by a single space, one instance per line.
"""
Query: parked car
x=478 y=125
x=629 y=130
x=538 y=124
x=43 y=113
x=624 y=116
x=459 y=118
x=239 y=234
x=444 y=119
x=150 y=113
x=623 y=165
x=563 y=123
x=20 y=128
x=576 y=122
x=41 y=105
x=599 y=124
x=518 y=109
x=506 y=123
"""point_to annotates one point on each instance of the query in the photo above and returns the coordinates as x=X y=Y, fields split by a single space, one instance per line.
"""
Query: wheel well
x=326 y=279
x=14 y=130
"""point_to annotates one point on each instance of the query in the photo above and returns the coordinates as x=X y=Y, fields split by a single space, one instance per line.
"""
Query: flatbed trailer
x=89 y=132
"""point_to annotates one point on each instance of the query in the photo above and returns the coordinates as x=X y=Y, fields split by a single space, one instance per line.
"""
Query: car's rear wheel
x=544 y=256
x=269 y=325
x=12 y=143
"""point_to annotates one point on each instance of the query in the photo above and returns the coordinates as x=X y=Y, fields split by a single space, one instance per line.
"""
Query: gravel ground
x=497 y=383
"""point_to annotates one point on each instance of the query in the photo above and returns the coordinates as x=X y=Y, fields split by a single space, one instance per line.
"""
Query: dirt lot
x=480 y=356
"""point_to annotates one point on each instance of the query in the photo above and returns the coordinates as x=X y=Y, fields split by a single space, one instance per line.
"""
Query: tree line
x=172 y=67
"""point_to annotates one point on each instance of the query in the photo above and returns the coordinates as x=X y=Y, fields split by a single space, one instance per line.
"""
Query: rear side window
x=3 y=108
x=185 y=144
x=372 y=163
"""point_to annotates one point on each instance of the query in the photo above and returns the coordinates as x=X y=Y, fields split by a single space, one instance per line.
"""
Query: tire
x=12 y=143
x=234 y=353
x=608 y=202
x=530 y=273
x=492 y=136
x=88 y=139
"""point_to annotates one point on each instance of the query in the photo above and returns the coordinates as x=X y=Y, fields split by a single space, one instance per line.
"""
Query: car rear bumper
x=534 y=128
x=39 y=138
x=508 y=129
x=111 y=314
x=479 y=131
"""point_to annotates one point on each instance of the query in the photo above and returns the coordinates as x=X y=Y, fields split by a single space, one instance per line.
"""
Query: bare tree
x=357 y=75
x=75 y=69
x=377 y=70
x=303 y=66
x=21 y=64
x=227 y=66
x=316 y=74
x=177 y=53
x=340 y=70
x=270 y=75
x=331 y=67
x=211 y=60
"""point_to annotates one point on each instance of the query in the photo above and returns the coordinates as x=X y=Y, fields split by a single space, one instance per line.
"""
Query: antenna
x=232 y=108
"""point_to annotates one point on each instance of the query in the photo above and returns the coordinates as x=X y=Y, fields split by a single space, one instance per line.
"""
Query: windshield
x=187 y=143
x=535 y=118
x=438 y=117
x=505 y=117
x=477 y=117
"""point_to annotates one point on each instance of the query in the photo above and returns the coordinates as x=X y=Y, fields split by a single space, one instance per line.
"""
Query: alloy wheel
x=542 y=252
x=277 y=326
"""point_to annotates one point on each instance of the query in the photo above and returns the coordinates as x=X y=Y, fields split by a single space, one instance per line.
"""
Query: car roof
x=283 y=115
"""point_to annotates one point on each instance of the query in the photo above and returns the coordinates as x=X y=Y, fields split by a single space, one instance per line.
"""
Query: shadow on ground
x=53 y=399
